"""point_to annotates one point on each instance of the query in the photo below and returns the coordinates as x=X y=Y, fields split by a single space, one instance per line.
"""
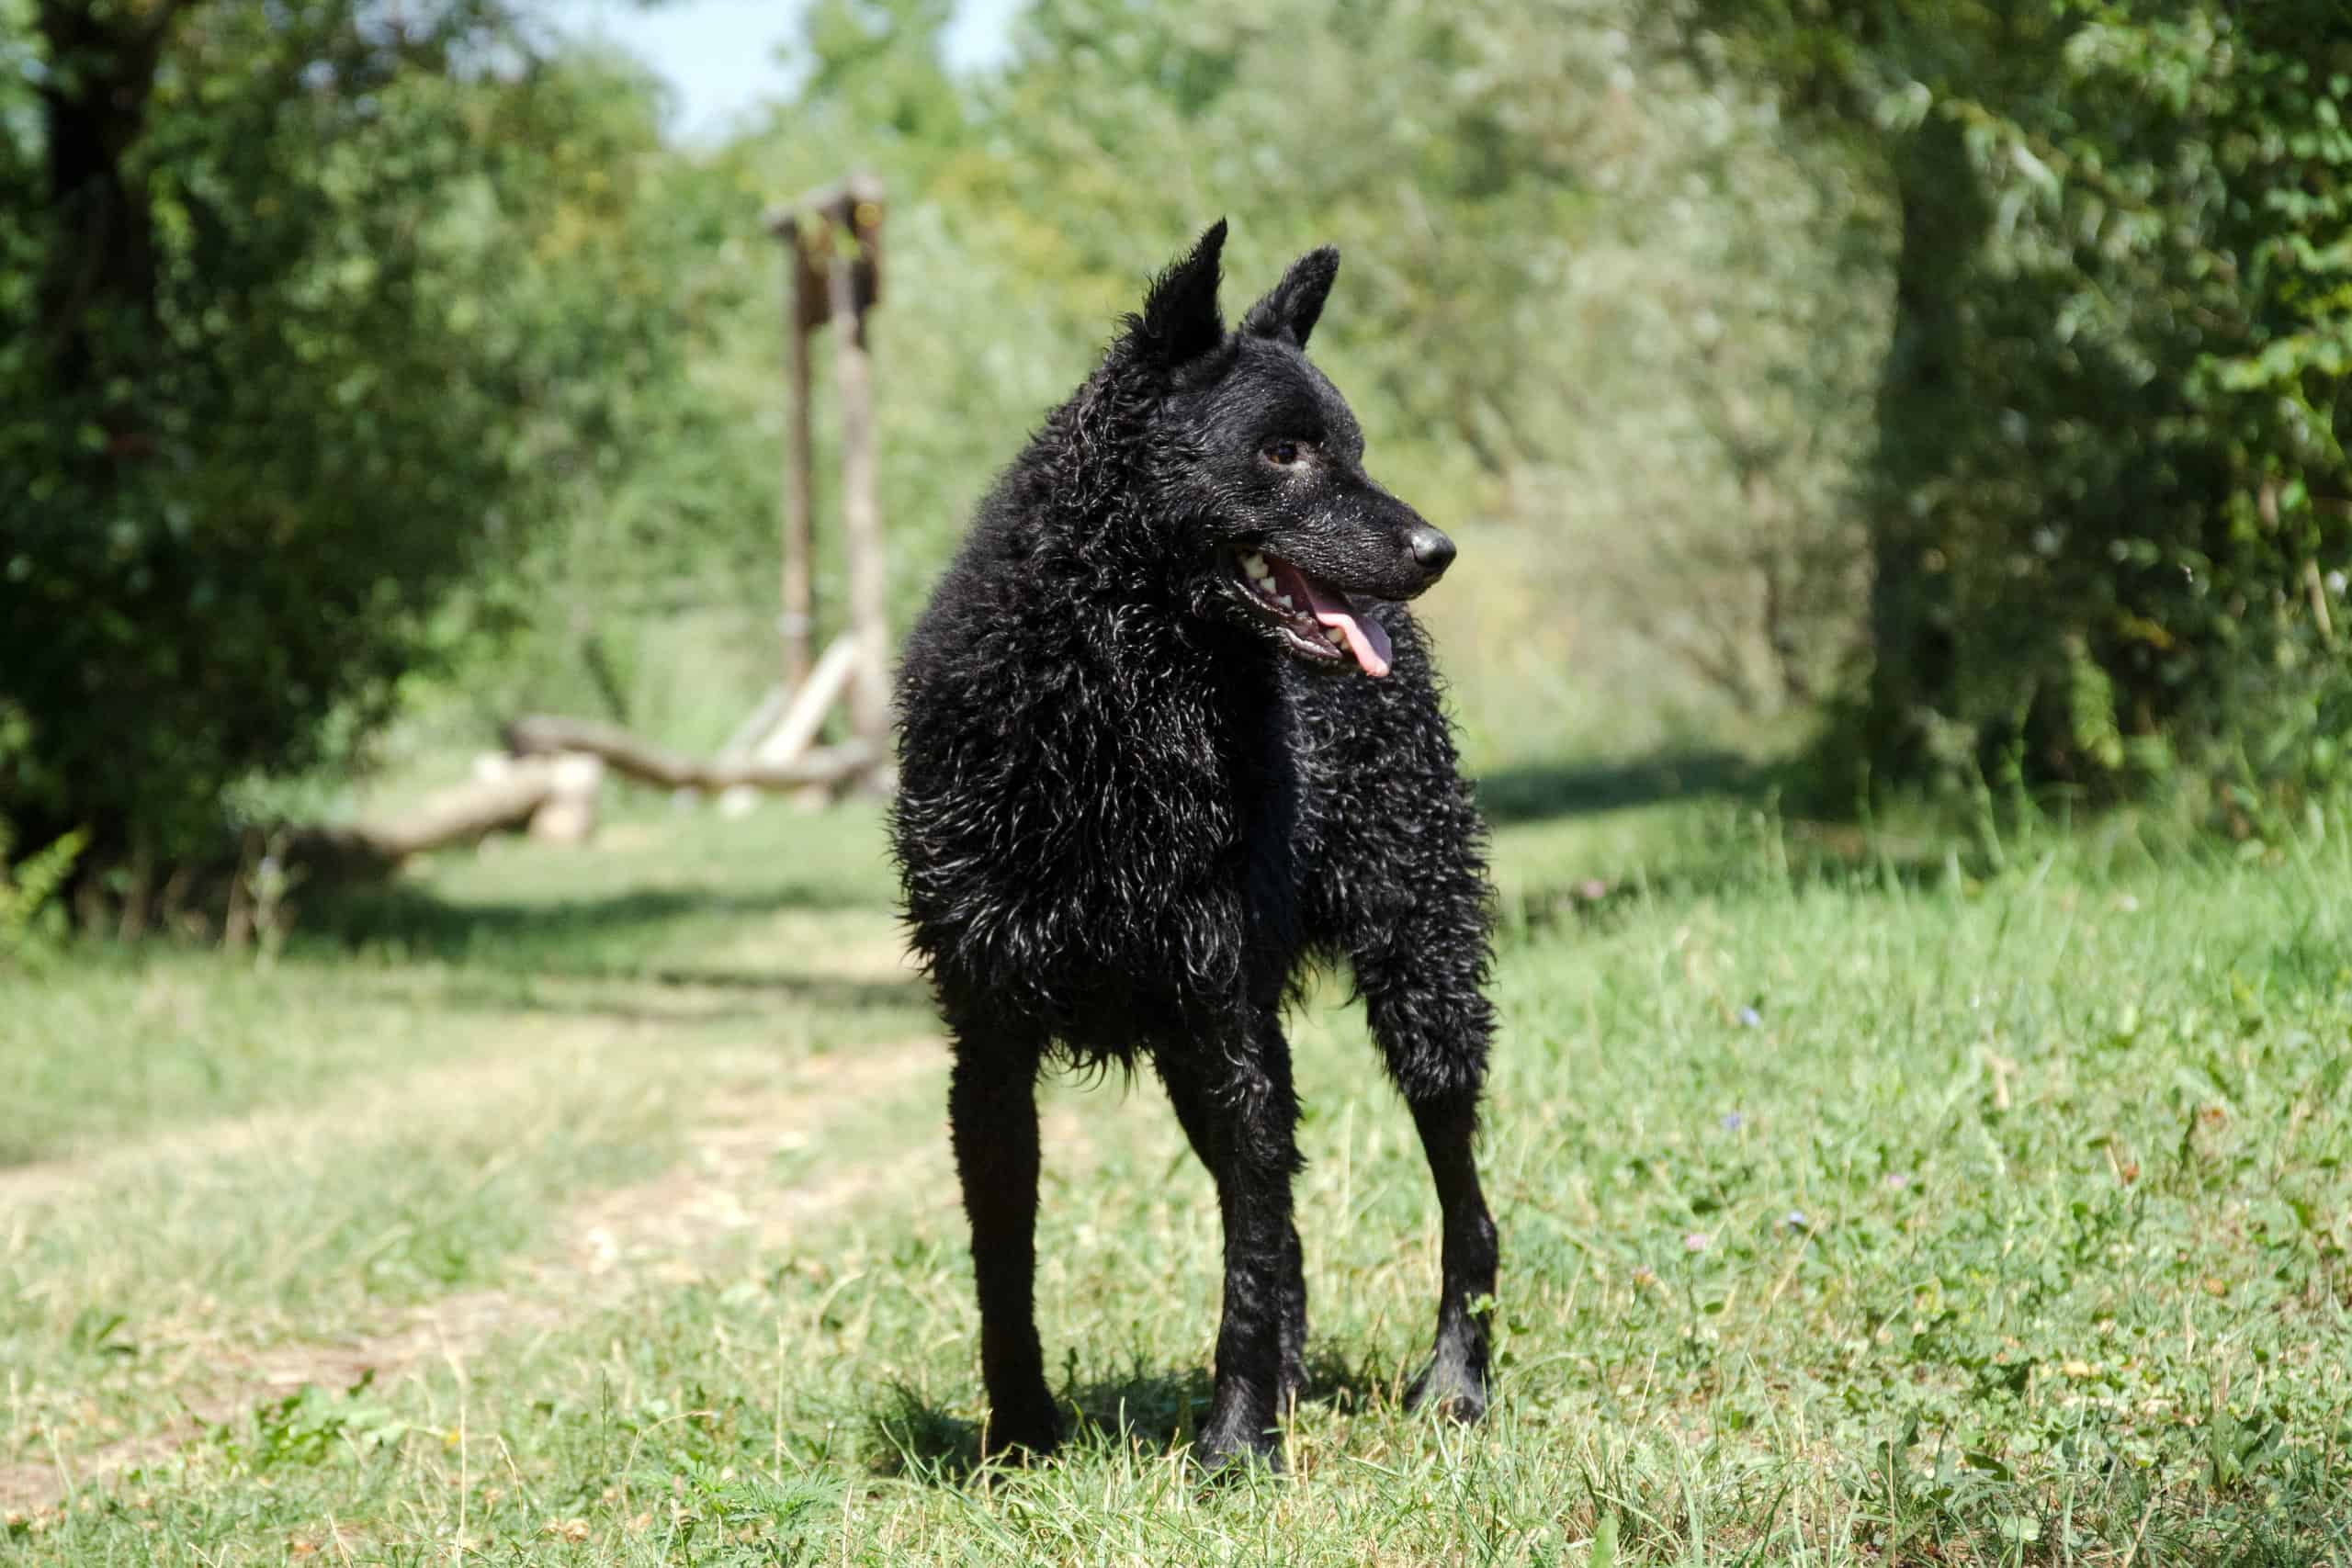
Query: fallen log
x=467 y=812
x=362 y=850
x=541 y=735
x=568 y=815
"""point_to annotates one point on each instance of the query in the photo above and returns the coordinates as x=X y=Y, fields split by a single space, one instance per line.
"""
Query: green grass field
x=1857 y=1206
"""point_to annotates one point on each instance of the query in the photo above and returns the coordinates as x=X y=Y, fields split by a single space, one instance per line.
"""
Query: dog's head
x=1257 y=457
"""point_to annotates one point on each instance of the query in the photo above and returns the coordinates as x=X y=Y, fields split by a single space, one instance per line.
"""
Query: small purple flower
x=1592 y=890
x=1796 y=1221
x=1732 y=1120
x=1697 y=1241
x=1750 y=1019
x=1897 y=1180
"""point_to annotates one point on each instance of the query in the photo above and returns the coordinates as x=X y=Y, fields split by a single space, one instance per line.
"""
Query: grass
x=1860 y=1205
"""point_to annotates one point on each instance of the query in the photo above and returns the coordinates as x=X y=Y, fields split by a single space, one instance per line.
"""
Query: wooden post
x=799 y=622
x=833 y=247
x=806 y=308
x=857 y=211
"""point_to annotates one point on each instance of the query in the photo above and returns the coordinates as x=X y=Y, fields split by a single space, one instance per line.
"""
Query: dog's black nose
x=1432 y=549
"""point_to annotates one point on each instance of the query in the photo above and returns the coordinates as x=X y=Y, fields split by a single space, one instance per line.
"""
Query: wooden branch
x=540 y=735
x=2317 y=589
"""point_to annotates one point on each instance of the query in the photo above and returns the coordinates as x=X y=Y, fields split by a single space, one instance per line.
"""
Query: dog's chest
x=1220 y=801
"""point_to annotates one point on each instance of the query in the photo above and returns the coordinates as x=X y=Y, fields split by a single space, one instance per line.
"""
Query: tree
x=2110 y=507
x=270 y=390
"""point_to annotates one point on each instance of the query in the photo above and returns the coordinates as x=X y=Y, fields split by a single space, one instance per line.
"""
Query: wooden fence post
x=807 y=306
x=851 y=283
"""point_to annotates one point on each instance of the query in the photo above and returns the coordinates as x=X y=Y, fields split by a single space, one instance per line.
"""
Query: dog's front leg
x=1455 y=1380
x=1433 y=1024
x=1252 y=1118
x=1189 y=1096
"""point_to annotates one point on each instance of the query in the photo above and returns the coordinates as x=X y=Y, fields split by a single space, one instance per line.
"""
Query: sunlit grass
x=1868 y=1207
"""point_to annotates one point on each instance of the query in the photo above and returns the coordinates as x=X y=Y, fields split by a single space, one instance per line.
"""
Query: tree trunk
x=97 y=284
x=1921 y=400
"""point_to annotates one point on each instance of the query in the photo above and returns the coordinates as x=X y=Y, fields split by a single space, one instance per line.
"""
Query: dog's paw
x=1234 y=1448
x=1017 y=1437
x=1449 y=1387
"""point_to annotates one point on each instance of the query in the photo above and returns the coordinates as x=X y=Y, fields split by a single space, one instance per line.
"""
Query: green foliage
x=309 y=390
x=430 y=379
x=1597 y=316
x=31 y=918
x=2111 y=506
x=311 y=1426
x=463 y=390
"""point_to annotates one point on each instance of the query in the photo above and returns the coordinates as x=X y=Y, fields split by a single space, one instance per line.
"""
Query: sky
x=723 y=57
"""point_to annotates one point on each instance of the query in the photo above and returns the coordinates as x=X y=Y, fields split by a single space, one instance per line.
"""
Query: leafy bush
x=2111 y=506
x=31 y=919
x=269 y=390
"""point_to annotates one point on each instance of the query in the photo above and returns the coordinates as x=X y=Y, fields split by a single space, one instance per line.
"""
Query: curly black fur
x=1137 y=797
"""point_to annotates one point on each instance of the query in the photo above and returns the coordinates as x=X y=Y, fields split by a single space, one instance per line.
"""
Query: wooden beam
x=852 y=205
x=758 y=723
x=797 y=727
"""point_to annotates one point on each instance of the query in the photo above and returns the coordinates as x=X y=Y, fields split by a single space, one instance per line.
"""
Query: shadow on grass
x=664 y=996
x=1770 y=858
x=915 y=1439
x=418 y=922
x=1533 y=791
x=593 y=955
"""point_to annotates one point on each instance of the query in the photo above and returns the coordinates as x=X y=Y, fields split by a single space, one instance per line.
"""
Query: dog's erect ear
x=1290 y=309
x=1179 y=320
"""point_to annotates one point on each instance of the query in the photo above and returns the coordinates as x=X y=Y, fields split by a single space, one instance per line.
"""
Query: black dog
x=1166 y=737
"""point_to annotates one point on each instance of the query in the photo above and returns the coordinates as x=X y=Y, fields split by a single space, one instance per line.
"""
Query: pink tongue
x=1368 y=640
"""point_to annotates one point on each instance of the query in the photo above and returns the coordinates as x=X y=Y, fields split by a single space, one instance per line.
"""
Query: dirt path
x=606 y=1248
x=25 y=1188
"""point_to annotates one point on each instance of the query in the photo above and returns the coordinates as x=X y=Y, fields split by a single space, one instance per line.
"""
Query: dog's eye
x=1282 y=453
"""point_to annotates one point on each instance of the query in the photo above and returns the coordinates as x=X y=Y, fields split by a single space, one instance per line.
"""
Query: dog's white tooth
x=1255 y=565
x=1337 y=638
x=1284 y=600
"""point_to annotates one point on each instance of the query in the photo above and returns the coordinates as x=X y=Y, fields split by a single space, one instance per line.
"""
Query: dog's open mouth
x=1318 y=621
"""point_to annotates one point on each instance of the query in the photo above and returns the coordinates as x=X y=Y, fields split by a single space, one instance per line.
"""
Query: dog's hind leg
x=992 y=1116
x=1192 y=1110
x=1242 y=1090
